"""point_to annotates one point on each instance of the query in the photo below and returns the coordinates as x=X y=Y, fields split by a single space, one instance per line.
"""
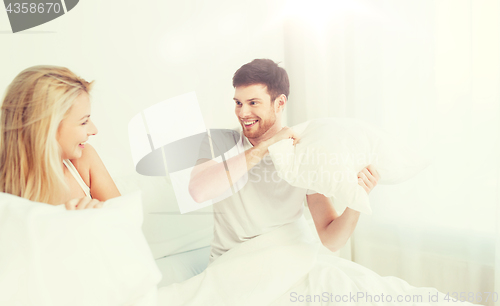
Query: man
x=265 y=203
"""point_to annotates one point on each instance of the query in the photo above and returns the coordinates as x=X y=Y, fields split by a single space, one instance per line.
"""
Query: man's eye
x=85 y=122
x=253 y=103
x=238 y=103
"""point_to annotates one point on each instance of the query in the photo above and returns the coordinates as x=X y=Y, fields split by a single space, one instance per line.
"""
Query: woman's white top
x=77 y=177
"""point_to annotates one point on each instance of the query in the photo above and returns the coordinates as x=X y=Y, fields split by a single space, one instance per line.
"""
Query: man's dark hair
x=266 y=72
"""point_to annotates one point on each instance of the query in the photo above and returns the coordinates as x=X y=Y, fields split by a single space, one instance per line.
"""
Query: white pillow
x=165 y=228
x=331 y=152
x=51 y=256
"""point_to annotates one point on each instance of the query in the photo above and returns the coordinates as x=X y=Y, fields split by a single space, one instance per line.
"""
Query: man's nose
x=245 y=111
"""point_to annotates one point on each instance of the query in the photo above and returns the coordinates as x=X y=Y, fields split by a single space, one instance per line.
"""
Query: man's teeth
x=82 y=143
x=249 y=122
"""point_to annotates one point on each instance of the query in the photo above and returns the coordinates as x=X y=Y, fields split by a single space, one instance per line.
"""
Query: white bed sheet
x=181 y=267
x=283 y=268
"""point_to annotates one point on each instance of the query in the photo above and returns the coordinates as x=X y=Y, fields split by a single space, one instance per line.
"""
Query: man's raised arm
x=210 y=179
x=334 y=230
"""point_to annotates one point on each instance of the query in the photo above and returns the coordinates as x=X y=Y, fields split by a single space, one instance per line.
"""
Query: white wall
x=142 y=52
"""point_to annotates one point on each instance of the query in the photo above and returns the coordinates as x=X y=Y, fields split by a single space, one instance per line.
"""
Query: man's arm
x=335 y=230
x=210 y=179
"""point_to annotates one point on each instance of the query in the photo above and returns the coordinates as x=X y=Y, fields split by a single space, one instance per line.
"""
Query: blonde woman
x=44 y=126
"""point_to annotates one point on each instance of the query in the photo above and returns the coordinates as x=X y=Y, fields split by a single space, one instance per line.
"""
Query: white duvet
x=283 y=268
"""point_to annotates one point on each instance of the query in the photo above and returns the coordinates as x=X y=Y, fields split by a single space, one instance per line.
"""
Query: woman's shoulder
x=88 y=155
x=95 y=175
x=83 y=164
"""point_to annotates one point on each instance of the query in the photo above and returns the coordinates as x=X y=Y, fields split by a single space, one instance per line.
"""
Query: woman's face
x=76 y=128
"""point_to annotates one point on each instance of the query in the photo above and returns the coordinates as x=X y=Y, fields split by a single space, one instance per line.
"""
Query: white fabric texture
x=77 y=176
x=274 y=268
x=52 y=256
x=331 y=152
x=180 y=267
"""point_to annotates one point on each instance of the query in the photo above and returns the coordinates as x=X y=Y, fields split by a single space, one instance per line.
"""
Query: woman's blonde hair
x=35 y=103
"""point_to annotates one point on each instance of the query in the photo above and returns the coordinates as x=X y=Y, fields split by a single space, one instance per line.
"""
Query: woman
x=44 y=125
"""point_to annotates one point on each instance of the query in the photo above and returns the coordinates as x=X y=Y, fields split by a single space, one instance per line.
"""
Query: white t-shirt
x=264 y=203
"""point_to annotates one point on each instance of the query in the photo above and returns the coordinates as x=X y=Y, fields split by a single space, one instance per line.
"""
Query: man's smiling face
x=255 y=112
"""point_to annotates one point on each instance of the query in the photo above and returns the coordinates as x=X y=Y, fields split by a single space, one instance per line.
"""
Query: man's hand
x=83 y=203
x=284 y=133
x=368 y=178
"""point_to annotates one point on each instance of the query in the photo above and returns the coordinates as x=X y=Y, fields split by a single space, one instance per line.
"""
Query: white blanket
x=255 y=272
x=283 y=268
